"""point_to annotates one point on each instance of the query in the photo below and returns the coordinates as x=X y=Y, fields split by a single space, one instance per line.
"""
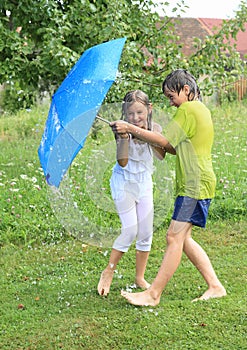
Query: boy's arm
x=159 y=152
x=156 y=139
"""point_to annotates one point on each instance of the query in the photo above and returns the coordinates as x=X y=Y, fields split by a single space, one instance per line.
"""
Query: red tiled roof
x=241 y=42
x=190 y=28
x=187 y=29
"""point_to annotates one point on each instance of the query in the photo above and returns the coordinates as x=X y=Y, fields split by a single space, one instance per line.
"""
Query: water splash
x=83 y=202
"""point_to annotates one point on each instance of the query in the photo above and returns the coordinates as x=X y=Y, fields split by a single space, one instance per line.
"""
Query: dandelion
x=14 y=189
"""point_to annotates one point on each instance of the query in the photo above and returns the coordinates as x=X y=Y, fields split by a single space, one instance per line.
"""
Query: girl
x=132 y=189
x=190 y=137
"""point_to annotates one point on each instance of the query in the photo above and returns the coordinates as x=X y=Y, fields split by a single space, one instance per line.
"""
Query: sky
x=206 y=8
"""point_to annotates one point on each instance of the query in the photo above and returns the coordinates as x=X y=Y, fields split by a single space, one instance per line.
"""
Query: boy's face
x=137 y=114
x=177 y=99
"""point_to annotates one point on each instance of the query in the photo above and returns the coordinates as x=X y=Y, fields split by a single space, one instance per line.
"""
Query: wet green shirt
x=191 y=133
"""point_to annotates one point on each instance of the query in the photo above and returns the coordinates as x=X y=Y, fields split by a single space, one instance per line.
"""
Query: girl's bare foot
x=216 y=292
x=142 y=283
x=105 y=282
x=141 y=299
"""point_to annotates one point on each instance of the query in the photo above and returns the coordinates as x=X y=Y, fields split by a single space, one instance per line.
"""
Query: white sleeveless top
x=140 y=162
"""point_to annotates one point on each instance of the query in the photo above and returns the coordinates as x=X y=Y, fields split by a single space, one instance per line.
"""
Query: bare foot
x=105 y=282
x=142 y=283
x=141 y=299
x=217 y=292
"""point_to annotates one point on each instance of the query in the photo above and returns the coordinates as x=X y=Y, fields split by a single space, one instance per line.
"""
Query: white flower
x=14 y=189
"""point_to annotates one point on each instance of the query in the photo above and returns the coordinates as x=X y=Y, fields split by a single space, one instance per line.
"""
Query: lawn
x=50 y=271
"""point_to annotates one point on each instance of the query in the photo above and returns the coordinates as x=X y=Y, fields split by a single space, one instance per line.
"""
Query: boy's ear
x=187 y=89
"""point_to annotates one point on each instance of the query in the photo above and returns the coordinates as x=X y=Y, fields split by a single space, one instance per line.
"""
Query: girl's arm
x=157 y=140
x=122 y=141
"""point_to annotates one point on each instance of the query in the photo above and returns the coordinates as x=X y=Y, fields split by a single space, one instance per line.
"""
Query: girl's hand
x=120 y=127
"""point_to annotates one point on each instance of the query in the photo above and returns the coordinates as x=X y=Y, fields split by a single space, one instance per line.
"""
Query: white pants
x=136 y=212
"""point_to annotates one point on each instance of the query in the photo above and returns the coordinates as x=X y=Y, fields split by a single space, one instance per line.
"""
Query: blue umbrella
x=74 y=107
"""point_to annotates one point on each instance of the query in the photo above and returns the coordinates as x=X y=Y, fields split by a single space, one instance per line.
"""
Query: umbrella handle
x=102 y=119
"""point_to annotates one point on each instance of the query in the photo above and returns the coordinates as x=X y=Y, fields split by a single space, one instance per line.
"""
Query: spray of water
x=83 y=202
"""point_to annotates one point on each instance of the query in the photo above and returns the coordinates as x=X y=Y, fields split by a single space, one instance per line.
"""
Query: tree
x=216 y=57
x=40 y=40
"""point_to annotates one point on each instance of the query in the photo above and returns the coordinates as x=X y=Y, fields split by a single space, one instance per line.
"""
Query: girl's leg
x=107 y=275
x=145 y=214
x=201 y=261
x=126 y=209
x=127 y=213
x=141 y=263
x=175 y=239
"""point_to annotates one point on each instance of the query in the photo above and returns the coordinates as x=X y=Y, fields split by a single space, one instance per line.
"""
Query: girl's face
x=177 y=99
x=137 y=114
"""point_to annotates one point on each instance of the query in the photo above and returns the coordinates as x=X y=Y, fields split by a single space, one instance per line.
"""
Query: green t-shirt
x=191 y=133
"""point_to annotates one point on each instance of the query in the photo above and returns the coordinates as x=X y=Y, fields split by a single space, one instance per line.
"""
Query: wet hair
x=176 y=80
x=137 y=96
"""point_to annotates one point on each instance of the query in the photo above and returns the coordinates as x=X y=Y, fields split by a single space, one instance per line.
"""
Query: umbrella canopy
x=74 y=107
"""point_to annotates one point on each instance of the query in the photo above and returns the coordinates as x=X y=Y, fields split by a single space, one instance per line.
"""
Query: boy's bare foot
x=105 y=282
x=142 y=283
x=141 y=299
x=217 y=292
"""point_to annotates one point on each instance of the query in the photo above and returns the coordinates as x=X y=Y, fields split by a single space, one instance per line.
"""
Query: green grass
x=49 y=279
x=57 y=284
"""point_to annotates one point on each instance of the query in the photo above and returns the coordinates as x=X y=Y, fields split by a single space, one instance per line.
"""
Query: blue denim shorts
x=192 y=210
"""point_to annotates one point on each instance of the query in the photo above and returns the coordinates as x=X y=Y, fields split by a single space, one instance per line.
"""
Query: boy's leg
x=175 y=239
x=107 y=275
x=201 y=261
